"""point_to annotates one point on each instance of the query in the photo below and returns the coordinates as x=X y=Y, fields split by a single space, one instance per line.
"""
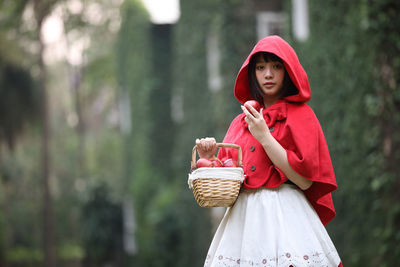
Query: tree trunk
x=48 y=216
x=41 y=11
x=76 y=74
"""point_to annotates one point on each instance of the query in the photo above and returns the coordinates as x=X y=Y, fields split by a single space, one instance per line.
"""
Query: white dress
x=272 y=227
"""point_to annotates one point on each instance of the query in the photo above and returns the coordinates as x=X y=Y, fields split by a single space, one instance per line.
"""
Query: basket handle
x=225 y=145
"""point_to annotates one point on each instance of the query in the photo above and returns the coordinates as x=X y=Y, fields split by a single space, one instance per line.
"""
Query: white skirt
x=272 y=227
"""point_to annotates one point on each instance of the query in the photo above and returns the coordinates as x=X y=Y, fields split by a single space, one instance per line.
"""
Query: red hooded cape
x=294 y=125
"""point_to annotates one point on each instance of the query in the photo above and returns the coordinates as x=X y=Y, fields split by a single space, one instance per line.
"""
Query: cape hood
x=275 y=45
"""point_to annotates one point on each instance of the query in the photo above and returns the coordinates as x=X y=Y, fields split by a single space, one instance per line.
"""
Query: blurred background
x=101 y=101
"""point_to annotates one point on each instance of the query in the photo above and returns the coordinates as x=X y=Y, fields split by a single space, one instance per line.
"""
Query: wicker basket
x=217 y=186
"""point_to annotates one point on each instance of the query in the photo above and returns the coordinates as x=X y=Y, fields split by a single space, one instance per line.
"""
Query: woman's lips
x=269 y=85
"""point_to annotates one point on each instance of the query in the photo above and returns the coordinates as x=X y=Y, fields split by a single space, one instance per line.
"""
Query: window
x=270 y=23
x=300 y=19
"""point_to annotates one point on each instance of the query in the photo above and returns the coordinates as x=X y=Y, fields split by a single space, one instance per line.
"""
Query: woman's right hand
x=206 y=147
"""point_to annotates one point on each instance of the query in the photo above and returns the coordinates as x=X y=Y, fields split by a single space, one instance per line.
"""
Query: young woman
x=279 y=216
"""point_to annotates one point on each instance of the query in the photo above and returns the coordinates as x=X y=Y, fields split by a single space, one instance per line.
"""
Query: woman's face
x=270 y=78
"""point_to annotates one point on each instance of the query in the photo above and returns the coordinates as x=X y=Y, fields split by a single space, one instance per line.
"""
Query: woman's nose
x=268 y=73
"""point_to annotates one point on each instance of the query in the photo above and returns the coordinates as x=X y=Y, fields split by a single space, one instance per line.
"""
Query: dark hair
x=288 y=88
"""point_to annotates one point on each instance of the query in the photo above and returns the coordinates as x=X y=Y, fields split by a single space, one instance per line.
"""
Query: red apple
x=203 y=162
x=217 y=163
x=255 y=104
x=231 y=163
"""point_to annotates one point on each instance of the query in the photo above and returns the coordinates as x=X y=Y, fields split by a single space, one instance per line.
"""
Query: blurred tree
x=85 y=117
x=134 y=84
x=42 y=8
x=18 y=101
x=21 y=23
x=162 y=129
x=102 y=229
x=19 y=95
x=383 y=23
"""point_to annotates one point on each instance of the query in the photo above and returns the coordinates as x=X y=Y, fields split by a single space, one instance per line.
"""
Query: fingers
x=254 y=120
x=247 y=113
x=206 y=147
x=252 y=115
x=251 y=112
x=248 y=116
x=206 y=144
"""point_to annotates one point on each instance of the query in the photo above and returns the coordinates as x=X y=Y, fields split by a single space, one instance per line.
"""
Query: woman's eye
x=259 y=67
x=278 y=66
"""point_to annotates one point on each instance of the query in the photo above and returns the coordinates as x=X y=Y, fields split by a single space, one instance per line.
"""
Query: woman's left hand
x=256 y=123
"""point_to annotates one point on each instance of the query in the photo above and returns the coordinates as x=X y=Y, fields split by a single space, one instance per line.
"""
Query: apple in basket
x=254 y=104
x=203 y=162
x=217 y=163
x=231 y=163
